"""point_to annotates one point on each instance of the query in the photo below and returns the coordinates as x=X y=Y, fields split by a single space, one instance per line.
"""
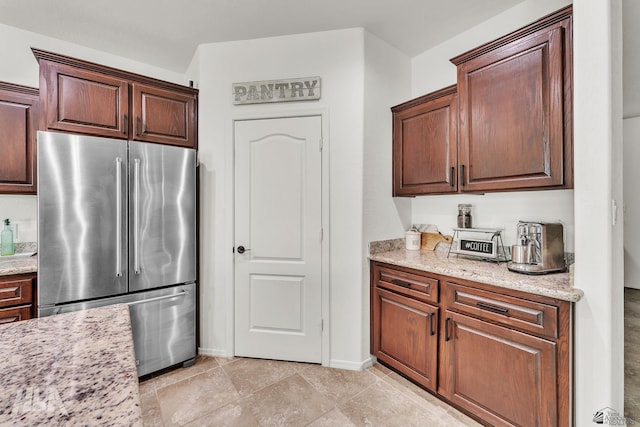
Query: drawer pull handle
x=431 y=331
x=400 y=283
x=446 y=329
x=501 y=310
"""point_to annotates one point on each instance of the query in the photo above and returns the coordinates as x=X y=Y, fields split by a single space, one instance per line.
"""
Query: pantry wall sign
x=264 y=91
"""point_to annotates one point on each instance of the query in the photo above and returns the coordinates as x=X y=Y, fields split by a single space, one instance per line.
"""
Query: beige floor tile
x=290 y=402
x=379 y=370
x=250 y=375
x=203 y=364
x=232 y=415
x=412 y=390
x=337 y=384
x=194 y=397
x=147 y=386
x=631 y=352
x=382 y=405
x=224 y=360
x=333 y=418
x=439 y=409
x=150 y=408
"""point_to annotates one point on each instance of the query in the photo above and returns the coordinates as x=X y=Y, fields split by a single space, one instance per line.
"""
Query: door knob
x=242 y=249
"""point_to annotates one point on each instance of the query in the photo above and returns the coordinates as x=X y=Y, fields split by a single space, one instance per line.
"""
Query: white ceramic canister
x=412 y=240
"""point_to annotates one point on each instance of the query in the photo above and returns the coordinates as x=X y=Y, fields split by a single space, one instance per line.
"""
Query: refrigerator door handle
x=118 y=217
x=179 y=294
x=136 y=215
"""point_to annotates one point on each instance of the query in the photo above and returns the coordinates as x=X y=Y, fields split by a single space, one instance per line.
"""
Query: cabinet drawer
x=411 y=284
x=522 y=314
x=15 y=314
x=15 y=292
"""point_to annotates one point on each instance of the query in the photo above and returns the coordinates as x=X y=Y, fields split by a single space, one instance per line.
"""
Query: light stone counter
x=18 y=265
x=556 y=285
x=73 y=369
x=21 y=262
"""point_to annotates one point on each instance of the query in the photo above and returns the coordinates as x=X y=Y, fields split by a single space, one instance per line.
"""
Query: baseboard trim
x=351 y=366
x=213 y=352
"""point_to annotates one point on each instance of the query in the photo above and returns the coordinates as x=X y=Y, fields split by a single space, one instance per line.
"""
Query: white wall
x=386 y=83
x=20 y=66
x=631 y=202
x=432 y=70
x=338 y=58
x=21 y=210
x=599 y=329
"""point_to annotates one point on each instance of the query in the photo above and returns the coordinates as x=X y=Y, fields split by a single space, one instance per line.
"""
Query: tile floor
x=631 y=354
x=252 y=392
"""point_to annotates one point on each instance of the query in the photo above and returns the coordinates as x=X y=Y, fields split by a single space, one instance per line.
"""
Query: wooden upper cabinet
x=164 y=116
x=87 y=98
x=84 y=101
x=19 y=118
x=424 y=144
x=515 y=109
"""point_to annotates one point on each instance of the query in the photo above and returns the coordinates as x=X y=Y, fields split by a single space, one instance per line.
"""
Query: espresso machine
x=540 y=248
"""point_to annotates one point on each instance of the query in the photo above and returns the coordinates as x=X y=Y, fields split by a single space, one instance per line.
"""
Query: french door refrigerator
x=116 y=224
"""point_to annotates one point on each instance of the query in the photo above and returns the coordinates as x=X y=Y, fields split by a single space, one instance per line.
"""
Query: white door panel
x=278 y=219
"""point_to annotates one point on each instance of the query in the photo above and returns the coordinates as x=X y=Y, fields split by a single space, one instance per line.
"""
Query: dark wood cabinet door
x=515 y=113
x=504 y=376
x=425 y=144
x=405 y=335
x=15 y=314
x=17 y=297
x=84 y=101
x=19 y=116
x=16 y=290
x=164 y=116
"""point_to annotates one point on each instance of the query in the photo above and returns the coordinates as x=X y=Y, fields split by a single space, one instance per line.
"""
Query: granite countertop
x=70 y=369
x=557 y=285
x=22 y=262
x=18 y=265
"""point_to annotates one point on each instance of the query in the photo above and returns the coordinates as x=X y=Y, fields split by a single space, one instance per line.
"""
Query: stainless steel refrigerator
x=117 y=224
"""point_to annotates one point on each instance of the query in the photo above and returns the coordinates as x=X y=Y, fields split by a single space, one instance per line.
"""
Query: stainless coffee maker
x=540 y=248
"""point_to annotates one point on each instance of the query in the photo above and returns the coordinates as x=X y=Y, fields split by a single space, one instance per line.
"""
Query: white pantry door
x=278 y=223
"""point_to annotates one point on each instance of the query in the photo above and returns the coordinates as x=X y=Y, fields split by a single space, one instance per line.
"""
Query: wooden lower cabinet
x=15 y=314
x=501 y=356
x=407 y=335
x=17 y=297
x=506 y=377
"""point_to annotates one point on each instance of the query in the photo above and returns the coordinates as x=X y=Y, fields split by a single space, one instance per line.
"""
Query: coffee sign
x=485 y=248
x=265 y=91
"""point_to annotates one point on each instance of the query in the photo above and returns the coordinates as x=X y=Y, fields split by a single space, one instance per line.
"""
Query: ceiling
x=165 y=33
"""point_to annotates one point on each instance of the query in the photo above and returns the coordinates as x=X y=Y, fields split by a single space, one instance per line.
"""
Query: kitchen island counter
x=557 y=285
x=70 y=369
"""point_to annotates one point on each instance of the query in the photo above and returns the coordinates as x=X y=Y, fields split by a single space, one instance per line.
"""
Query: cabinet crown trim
x=546 y=21
x=43 y=55
x=19 y=88
x=425 y=98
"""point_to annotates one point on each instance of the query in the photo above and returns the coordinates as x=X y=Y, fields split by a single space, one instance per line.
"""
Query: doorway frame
x=284 y=113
